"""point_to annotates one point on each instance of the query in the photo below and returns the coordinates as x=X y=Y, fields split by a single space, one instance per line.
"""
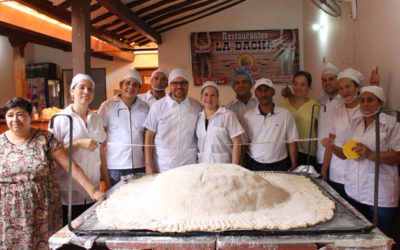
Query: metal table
x=373 y=239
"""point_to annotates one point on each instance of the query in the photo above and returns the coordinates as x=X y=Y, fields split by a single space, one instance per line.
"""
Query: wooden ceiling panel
x=120 y=22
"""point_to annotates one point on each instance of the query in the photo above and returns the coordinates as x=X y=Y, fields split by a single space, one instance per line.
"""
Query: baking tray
x=344 y=221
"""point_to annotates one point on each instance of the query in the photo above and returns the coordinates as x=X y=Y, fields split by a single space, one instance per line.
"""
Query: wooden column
x=18 y=45
x=80 y=21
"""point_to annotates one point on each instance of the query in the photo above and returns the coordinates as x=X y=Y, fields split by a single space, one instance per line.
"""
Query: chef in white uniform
x=360 y=172
x=268 y=122
x=171 y=127
x=88 y=131
x=330 y=99
x=350 y=82
x=242 y=83
x=123 y=117
x=159 y=82
x=218 y=130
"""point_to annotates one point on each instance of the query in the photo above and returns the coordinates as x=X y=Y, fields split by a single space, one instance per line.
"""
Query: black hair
x=18 y=102
x=305 y=74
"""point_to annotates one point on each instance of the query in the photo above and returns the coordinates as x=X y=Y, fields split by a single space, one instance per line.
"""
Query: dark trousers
x=76 y=210
x=116 y=174
x=282 y=165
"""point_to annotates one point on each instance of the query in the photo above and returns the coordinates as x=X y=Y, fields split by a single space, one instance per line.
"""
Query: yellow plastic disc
x=348 y=150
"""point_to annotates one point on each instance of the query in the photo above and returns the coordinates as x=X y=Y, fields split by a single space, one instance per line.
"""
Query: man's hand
x=88 y=144
x=286 y=92
x=375 y=79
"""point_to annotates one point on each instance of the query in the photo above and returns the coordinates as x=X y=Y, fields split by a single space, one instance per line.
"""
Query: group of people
x=158 y=131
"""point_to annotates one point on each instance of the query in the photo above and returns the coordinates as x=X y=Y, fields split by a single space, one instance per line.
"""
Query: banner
x=216 y=56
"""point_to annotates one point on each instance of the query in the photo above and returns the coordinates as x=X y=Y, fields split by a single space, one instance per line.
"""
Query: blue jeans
x=385 y=214
x=116 y=174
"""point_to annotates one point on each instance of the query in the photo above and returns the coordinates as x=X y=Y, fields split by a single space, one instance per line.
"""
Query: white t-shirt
x=360 y=173
x=277 y=126
x=124 y=126
x=323 y=122
x=175 y=127
x=239 y=107
x=339 y=122
x=88 y=160
x=147 y=98
x=215 y=144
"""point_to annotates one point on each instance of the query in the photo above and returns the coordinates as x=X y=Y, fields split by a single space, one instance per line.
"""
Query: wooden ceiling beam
x=136 y=3
x=45 y=7
x=120 y=28
x=125 y=14
x=168 y=24
x=9 y=30
x=168 y=9
x=95 y=7
x=125 y=33
x=153 y=6
x=181 y=11
x=64 y=5
x=108 y=25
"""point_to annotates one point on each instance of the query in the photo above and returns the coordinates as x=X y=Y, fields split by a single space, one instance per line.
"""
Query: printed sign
x=273 y=54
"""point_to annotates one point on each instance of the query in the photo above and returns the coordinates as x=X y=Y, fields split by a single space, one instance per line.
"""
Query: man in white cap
x=330 y=98
x=273 y=124
x=123 y=118
x=171 y=127
x=159 y=82
x=242 y=82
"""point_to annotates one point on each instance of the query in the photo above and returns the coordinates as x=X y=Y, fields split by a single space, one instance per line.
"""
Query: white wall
x=174 y=52
x=372 y=40
x=6 y=71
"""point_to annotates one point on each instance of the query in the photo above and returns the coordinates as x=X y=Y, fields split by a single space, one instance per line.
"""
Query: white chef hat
x=165 y=72
x=78 y=77
x=353 y=75
x=209 y=84
x=376 y=90
x=178 y=73
x=330 y=68
x=134 y=74
x=264 y=81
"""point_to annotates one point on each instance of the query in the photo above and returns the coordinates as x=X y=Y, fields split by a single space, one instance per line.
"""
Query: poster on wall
x=216 y=56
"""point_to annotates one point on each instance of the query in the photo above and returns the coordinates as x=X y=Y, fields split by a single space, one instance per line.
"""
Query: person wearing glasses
x=123 y=118
x=171 y=127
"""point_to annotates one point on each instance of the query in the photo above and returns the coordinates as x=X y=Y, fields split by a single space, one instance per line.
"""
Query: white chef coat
x=174 y=125
x=124 y=126
x=215 y=144
x=339 y=122
x=88 y=160
x=239 y=107
x=360 y=173
x=277 y=126
x=323 y=122
x=147 y=98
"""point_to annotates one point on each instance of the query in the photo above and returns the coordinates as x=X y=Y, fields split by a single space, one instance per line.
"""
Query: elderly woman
x=88 y=131
x=359 y=173
x=350 y=81
x=30 y=205
x=218 y=130
x=301 y=108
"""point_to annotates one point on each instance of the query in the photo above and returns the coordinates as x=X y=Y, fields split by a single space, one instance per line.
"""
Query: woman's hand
x=375 y=79
x=362 y=150
x=324 y=173
x=88 y=144
x=286 y=92
x=97 y=195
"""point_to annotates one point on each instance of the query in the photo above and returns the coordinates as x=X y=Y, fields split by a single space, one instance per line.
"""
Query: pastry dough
x=210 y=197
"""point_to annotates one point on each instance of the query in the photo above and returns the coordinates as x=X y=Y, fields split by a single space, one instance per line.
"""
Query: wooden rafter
x=181 y=11
x=125 y=14
x=136 y=3
x=95 y=7
x=64 y=16
x=153 y=6
x=168 y=9
x=108 y=25
x=120 y=28
x=159 y=28
x=125 y=33
x=64 y=5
